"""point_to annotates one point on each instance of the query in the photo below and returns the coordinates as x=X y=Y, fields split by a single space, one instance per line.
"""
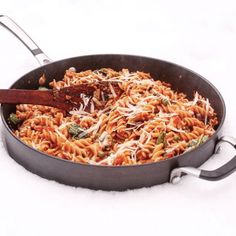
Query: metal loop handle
x=212 y=175
x=18 y=32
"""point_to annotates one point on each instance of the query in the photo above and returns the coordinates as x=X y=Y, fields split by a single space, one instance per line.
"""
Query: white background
x=200 y=35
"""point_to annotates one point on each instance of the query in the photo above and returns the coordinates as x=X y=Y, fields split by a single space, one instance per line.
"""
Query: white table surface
x=200 y=35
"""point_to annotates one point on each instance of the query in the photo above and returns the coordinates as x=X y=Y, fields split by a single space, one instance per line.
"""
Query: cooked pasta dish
x=138 y=120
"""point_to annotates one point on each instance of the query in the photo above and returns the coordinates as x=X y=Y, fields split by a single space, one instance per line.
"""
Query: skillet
x=116 y=178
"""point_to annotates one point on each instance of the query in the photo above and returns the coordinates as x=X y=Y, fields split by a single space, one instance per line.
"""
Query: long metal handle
x=16 y=30
x=212 y=175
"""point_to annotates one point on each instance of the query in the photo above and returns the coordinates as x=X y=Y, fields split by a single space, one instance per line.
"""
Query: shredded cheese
x=174 y=129
x=97 y=101
x=112 y=90
x=92 y=106
x=94 y=129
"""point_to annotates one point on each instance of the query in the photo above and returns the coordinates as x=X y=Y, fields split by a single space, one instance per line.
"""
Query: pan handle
x=211 y=175
x=16 y=30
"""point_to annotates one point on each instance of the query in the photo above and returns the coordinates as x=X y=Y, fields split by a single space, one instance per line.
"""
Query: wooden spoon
x=65 y=98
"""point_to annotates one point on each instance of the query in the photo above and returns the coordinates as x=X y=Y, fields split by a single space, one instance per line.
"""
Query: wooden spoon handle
x=17 y=96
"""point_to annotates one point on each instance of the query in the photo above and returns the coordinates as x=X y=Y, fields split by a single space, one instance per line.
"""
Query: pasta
x=146 y=121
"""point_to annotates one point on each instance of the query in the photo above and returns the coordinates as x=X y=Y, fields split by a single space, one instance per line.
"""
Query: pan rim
x=6 y=126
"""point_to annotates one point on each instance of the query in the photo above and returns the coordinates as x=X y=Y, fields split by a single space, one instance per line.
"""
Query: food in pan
x=138 y=120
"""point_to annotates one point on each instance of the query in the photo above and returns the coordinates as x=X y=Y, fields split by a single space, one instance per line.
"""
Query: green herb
x=204 y=138
x=76 y=131
x=193 y=142
x=42 y=88
x=101 y=154
x=161 y=138
x=197 y=142
x=165 y=101
x=177 y=138
x=14 y=119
